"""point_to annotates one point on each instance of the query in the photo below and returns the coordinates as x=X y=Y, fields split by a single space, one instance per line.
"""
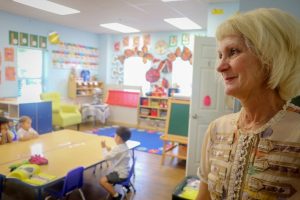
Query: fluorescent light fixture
x=120 y=28
x=49 y=6
x=183 y=23
x=171 y=0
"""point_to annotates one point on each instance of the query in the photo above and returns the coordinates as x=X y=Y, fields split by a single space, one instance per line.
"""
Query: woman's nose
x=222 y=65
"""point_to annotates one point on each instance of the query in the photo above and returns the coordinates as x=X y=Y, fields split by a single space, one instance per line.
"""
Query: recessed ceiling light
x=49 y=6
x=120 y=28
x=183 y=23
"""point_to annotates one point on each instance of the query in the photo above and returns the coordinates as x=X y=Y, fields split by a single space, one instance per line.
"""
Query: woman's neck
x=259 y=110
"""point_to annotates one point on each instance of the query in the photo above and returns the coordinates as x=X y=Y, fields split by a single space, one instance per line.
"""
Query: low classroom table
x=64 y=149
x=175 y=141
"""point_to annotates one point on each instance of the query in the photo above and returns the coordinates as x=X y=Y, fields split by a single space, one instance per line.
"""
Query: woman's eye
x=234 y=52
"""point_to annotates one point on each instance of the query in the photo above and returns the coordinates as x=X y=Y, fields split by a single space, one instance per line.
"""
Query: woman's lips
x=229 y=79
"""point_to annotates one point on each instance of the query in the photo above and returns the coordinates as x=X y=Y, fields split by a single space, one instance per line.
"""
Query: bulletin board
x=178 y=118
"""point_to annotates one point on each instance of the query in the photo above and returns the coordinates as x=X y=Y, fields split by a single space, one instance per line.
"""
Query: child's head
x=3 y=124
x=123 y=133
x=25 y=122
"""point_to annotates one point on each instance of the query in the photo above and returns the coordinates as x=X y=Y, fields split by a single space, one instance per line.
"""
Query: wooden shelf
x=77 y=88
x=152 y=112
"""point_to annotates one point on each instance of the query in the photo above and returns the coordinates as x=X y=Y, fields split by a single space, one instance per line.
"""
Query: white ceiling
x=145 y=15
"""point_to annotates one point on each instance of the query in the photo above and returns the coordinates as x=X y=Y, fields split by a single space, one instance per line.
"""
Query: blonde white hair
x=274 y=36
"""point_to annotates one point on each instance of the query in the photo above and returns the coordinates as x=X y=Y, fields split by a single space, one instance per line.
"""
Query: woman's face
x=240 y=68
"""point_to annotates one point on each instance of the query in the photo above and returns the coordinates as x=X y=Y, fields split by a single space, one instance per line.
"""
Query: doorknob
x=194 y=116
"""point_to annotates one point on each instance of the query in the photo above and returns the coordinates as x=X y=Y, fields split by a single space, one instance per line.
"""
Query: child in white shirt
x=120 y=158
x=26 y=132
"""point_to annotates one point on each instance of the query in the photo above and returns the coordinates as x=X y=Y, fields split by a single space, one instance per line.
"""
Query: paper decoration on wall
x=68 y=56
x=43 y=42
x=9 y=54
x=0 y=76
x=13 y=38
x=54 y=38
x=125 y=41
x=207 y=101
x=117 y=46
x=147 y=39
x=10 y=74
x=173 y=40
x=185 y=38
x=160 y=47
x=136 y=41
x=0 y=60
x=33 y=40
x=23 y=39
x=217 y=11
x=117 y=71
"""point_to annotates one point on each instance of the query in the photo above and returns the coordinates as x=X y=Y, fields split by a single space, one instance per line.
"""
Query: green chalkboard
x=179 y=118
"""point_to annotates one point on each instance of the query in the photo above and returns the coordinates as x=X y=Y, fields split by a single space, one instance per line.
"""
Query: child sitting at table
x=5 y=135
x=12 y=128
x=120 y=158
x=26 y=132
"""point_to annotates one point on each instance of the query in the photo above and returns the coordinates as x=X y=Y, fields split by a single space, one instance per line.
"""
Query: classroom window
x=182 y=76
x=135 y=73
x=30 y=67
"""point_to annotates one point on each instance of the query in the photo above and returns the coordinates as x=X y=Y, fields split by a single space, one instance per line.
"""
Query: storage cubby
x=79 y=88
x=152 y=112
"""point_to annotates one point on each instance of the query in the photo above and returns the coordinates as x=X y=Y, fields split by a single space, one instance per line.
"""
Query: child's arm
x=103 y=144
x=9 y=137
x=5 y=138
x=1 y=138
x=34 y=133
x=108 y=152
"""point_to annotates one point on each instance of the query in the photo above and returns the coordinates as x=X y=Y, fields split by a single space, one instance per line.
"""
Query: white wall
x=291 y=6
x=214 y=20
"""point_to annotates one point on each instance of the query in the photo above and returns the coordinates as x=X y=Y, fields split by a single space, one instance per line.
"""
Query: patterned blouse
x=262 y=164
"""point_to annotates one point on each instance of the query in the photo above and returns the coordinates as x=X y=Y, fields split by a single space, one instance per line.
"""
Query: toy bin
x=187 y=189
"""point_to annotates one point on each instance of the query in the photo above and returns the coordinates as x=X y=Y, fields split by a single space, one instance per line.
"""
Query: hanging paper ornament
x=54 y=38
x=207 y=101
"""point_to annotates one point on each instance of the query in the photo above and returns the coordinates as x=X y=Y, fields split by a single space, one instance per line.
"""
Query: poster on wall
x=13 y=38
x=185 y=38
x=43 y=42
x=173 y=41
x=126 y=41
x=147 y=39
x=33 y=40
x=136 y=41
x=23 y=39
x=9 y=54
x=117 y=46
x=10 y=74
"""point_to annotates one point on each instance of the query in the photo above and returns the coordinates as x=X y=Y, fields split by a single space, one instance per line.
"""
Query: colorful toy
x=16 y=165
x=38 y=159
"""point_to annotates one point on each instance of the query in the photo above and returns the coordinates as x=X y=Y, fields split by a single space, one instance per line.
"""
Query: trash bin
x=187 y=189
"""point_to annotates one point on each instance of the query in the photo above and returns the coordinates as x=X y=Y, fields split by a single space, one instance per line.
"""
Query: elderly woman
x=255 y=153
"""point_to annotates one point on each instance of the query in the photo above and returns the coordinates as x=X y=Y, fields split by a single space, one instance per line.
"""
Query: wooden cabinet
x=79 y=88
x=152 y=113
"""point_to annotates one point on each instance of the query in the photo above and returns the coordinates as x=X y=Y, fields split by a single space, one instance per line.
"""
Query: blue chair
x=73 y=181
x=127 y=184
